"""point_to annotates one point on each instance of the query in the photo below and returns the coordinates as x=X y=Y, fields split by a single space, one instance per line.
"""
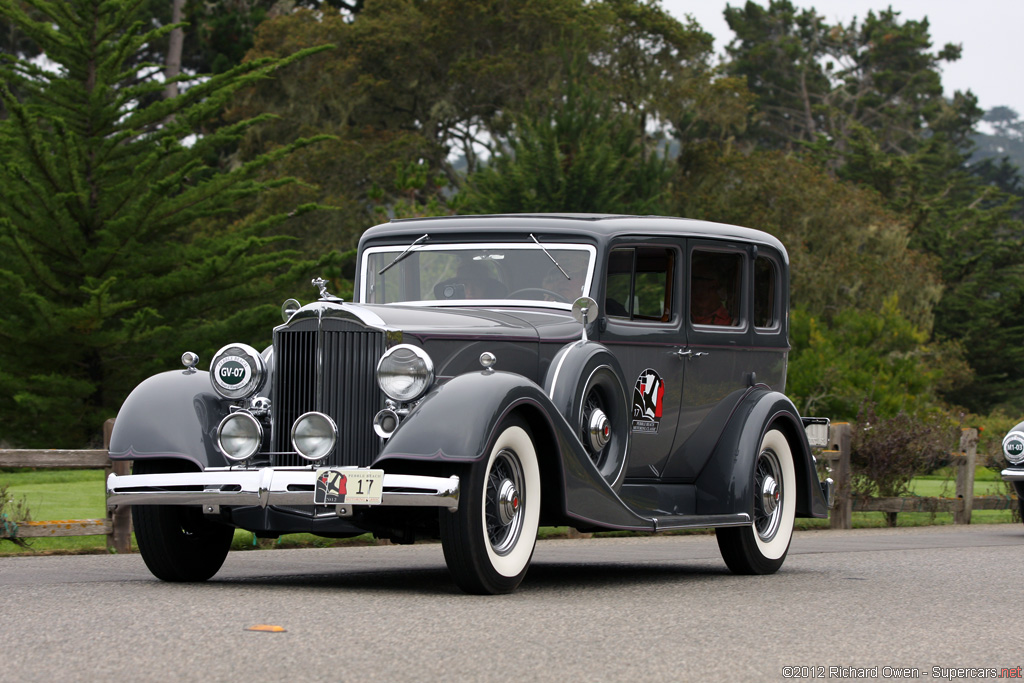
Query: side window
x=766 y=284
x=716 y=279
x=639 y=283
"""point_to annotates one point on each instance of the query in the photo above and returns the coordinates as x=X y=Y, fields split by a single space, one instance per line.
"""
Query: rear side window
x=766 y=287
x=716 y=279
x=639 y=283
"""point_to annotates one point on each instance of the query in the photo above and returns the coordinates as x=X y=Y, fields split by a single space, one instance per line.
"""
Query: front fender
x=458 y=421
x=171 y=415
x=725 y=484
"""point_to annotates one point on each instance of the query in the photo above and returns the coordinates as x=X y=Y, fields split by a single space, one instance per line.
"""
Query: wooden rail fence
x=116 y=526
x=964 y=502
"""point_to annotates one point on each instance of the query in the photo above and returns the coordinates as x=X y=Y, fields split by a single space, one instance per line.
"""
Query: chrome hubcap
x=769 y=495
x=508 y=502
x=600 y=430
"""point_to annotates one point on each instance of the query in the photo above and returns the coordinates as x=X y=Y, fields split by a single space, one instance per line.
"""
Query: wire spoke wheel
x=503 y=510
x=768 y=483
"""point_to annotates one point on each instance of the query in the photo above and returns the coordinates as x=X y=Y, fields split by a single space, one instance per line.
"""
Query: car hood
x=511 y=324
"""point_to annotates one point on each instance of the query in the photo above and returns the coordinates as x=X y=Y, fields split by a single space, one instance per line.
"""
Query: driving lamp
x=239 y=436
x=314 y=435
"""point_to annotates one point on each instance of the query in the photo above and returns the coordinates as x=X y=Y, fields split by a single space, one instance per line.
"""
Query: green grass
x=78 y=494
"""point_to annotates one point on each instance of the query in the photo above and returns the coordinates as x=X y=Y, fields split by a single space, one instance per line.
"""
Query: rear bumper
x=266 y=486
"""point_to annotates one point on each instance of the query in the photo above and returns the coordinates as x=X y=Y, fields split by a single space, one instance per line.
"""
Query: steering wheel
x=537 y=290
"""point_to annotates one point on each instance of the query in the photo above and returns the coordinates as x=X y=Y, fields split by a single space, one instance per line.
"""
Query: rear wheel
x=178 y=543
x=761 y=547
x=488 y=542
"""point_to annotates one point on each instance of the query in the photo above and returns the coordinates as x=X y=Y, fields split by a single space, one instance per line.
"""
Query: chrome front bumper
x=1014 y=474
x=266 y=486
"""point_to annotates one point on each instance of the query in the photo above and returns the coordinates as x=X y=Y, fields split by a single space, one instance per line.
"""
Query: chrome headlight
x=314 y=435
x=237 y=371
x=1013 y=447
x=405 y=372
x=239 y=436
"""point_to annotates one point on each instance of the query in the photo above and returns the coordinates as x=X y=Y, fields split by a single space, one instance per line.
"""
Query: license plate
x=349 y=486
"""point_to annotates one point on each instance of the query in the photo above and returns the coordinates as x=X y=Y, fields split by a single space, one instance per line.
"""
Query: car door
x=643 y=327
x=735 y=332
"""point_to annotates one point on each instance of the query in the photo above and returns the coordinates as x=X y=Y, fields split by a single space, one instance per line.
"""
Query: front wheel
x=761 y=547
x=488 y=542
x=178 y=543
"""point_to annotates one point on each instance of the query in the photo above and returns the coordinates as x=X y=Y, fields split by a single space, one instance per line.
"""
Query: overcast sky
x=990 y=31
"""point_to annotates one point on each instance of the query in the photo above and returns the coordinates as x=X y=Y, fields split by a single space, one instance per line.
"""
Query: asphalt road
x=664 y=608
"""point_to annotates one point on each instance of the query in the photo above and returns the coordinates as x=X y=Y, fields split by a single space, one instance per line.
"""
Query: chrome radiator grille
x=350 y=394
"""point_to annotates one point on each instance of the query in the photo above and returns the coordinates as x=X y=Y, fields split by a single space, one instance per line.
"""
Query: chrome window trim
x=588 y=282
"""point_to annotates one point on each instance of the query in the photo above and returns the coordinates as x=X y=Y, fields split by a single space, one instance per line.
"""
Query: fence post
x=842 y=509
x=965 y=474
x=120 y=537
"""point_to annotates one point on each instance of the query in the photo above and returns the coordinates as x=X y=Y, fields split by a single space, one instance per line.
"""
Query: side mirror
x=584 y=311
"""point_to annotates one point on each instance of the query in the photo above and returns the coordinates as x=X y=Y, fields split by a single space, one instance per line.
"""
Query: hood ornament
x=321 y=283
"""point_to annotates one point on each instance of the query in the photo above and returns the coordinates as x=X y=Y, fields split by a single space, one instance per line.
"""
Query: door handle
x=690 y=353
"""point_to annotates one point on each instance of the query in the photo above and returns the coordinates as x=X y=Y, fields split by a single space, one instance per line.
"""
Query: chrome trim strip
x=318 y=400
x=267 y=486
x=1012 y=475
x=558 y=370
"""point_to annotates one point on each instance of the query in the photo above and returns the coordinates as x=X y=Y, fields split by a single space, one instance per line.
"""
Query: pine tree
x=124 y=230
x=583 y=156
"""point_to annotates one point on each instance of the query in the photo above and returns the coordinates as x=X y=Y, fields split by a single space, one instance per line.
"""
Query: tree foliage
x=865 y=101
x=864 y=355
x=582 y=157
x=846 y=249
x=438 y=84
x=101 y=262
x=129 y=222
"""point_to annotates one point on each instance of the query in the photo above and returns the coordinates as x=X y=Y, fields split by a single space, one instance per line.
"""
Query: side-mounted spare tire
x=585 y=384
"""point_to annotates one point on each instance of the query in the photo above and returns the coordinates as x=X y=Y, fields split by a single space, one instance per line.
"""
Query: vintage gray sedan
x=494 y=374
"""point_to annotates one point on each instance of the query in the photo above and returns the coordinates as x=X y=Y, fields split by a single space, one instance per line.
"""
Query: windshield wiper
x=406 y=253
x=548 y=254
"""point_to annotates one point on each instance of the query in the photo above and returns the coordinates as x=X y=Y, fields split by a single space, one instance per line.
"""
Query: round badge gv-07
x=232 y=372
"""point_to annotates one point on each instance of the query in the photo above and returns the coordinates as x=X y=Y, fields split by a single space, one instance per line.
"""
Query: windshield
x=457 y=274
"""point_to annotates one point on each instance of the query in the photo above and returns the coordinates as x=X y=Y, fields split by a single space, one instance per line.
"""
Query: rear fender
x=725 y=484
